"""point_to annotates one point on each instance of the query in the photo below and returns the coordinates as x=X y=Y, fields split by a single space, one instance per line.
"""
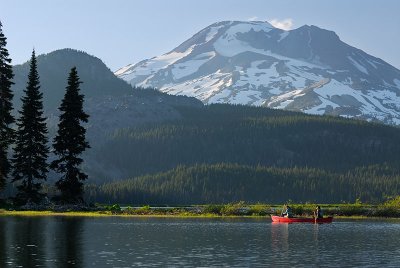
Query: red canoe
x=311 y=220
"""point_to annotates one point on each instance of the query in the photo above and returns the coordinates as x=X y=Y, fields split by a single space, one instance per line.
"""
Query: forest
x=202 y=154
x=225 y=153
x=228 y=183
x=246 y=135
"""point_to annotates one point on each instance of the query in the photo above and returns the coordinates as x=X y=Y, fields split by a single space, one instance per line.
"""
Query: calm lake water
x=168 y=242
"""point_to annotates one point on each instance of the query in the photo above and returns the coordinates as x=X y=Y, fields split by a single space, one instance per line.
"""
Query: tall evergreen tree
x=70 y=142
x=6 y=119
x=31 y=151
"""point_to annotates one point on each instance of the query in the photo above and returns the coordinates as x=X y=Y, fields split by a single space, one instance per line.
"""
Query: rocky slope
x=306 y=69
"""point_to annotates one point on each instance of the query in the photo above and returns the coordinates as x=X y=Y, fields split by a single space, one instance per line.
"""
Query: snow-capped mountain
x=306 y=69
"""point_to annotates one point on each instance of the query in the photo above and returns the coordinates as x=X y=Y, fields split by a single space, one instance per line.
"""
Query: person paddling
x=318 y=213
x=287 y=212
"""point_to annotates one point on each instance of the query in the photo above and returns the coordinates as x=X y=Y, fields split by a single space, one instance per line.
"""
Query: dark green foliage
x=31 y=151
x=259 y=210
x=113 y=208
x=54 y=68
x=250 y=136
x=213 y=209
x=232 y=209
x=391 y=208
x=352 y=209
x=6 y=119
x=70 y=142
x=225 y=183
x=278 y=156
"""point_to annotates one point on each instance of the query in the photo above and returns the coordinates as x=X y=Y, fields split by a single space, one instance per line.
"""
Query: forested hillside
x=136 y=133
x=225 y=153
x=250 y=136
x=223 y=183
x=97 y=79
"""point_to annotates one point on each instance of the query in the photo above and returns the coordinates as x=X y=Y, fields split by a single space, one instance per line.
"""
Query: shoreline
x=118 y=215
x=100 y=214
x=387 y=210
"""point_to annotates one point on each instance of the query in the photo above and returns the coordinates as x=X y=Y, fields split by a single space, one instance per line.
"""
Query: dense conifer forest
x=224 y=183
x=229 y=153
x=251 y=136
x=195 y=154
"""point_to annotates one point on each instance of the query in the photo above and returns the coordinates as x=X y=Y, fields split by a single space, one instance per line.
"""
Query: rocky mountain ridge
x=307 y=69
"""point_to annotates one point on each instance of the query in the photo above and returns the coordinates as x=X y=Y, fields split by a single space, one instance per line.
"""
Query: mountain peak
x=315 y=30
x=235 y=22
x=241 y=26
x=225 y=30
x=250 y=62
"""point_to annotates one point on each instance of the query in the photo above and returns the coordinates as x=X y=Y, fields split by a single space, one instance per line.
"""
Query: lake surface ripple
x=195 y=242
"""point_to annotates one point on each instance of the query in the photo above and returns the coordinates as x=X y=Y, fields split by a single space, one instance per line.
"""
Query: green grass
x=107 y=214
x=29 y=213
x=389 y=209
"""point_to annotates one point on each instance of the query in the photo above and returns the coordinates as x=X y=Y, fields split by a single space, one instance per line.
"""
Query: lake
x=195 y=242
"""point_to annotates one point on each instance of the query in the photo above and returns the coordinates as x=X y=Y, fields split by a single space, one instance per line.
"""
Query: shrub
x=213 y=209
x=259 y=210
x=235 y=209
x=143 y=210
x=297 y=210
x=353 y=210
x=114 y=208
x=391 y=208
x=393 y=202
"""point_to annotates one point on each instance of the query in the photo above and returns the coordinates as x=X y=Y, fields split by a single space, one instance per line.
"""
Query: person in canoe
x=318 y=213
x=287 y=212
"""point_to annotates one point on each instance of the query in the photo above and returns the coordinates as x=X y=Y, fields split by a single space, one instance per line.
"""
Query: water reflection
x=315 y=233
x=28 y=242
x=126 y=242
x=3 y=242
x=279 y=242
x=68 y=242
x=41 y=242
x=279 y=236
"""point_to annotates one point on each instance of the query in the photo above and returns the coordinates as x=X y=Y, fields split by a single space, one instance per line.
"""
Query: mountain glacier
x=252 y=63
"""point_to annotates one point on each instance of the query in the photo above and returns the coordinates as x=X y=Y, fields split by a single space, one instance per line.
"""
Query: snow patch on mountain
x=306 y=69
x=358 y=66
x=151 y=66
x=203 y=88
x=282 y=101
x=189 y=67
x=212 y=33
x=282 y=36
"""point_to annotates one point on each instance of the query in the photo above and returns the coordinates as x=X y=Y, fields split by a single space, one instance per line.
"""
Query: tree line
x=226 y=153
x=226 y=183
x=27 y=164
x=249 y=136
x=295 y=144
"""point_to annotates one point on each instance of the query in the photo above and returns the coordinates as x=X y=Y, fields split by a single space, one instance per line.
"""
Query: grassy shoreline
x=99 y=214
x=200 y=216
x=232 y=210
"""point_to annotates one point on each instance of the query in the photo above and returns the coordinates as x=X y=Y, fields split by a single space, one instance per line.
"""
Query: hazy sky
x=126 y=31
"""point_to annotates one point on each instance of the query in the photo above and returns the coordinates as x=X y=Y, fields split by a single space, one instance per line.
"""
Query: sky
x=121 y=32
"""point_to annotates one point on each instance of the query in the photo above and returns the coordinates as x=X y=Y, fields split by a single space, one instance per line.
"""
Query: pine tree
x=6 y=119
x=70 y=142
x=31 y=151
